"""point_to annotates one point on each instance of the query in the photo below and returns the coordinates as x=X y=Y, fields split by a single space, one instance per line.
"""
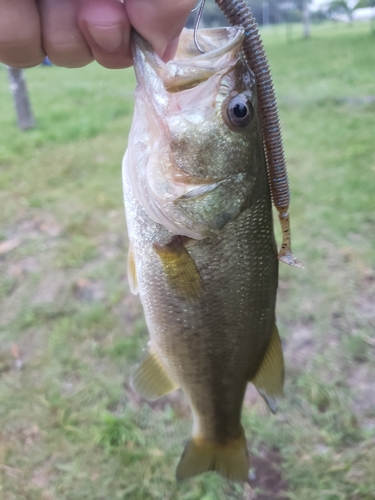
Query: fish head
x=195 y=141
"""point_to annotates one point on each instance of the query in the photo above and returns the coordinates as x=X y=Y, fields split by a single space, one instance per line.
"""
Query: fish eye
x=240 y=110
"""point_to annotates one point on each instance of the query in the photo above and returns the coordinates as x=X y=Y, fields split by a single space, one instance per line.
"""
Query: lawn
x=71 y=332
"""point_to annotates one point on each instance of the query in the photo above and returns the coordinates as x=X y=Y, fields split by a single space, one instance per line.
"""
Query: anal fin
x=150 y=379
x=132 y=273
x=269 y=379
x=229 y=459
x=180 y=268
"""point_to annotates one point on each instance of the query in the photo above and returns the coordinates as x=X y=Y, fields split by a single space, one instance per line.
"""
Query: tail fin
x=230 y=460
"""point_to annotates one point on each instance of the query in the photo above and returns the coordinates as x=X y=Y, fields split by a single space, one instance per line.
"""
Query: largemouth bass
x=202 y=251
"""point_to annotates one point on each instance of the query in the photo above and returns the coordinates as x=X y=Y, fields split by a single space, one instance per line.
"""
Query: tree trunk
x=306 y=19
x=265 y=14
x=24 y=112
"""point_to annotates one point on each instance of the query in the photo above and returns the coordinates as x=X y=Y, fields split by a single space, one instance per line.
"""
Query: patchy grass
x=70 y=331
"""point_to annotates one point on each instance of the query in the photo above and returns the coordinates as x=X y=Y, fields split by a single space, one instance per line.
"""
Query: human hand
x=75 y=32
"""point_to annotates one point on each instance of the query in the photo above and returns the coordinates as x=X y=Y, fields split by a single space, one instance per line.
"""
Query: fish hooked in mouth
x=202 y=252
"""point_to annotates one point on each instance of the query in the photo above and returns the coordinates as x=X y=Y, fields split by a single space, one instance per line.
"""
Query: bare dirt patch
x=266 y=477
x=300 y=347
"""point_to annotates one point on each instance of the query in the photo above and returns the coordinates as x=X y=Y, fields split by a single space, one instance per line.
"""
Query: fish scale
x=209 y=300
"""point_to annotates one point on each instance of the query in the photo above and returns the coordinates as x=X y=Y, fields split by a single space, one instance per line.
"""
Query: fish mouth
x=189 y=67
x=172 y=98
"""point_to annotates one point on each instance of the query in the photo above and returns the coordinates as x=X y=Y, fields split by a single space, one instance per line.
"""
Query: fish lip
x=234 y=35
x=195 y=67
x=143 y=53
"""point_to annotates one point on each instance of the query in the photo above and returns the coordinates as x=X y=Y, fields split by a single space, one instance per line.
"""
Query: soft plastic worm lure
x=238 y=13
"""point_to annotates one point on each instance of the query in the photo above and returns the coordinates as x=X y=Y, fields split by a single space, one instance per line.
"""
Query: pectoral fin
x=151 y=379
x=132 y=273
x=269 y=379
x=180 y=269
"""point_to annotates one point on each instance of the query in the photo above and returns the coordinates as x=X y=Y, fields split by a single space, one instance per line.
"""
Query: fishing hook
x=200 y=6
x=197 y=6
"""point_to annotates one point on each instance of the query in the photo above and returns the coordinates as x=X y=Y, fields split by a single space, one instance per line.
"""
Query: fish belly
x=213 y=345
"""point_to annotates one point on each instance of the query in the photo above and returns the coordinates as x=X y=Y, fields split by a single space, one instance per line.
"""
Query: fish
x=202 y=251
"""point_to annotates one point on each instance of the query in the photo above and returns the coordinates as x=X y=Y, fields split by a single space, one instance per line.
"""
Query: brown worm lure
x=238 y=13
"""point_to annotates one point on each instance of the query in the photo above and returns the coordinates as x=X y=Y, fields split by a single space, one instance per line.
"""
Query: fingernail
x=109 y=38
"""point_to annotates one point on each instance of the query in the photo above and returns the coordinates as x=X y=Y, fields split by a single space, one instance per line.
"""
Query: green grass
x=70 y=426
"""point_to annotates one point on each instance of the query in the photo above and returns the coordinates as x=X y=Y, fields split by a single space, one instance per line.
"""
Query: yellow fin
x=150 y=379
x=132 y=273
x=230 y=459
x=269 y=379
x=180 y=269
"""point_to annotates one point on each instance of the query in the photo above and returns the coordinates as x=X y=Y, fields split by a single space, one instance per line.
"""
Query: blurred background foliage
x=289 y=11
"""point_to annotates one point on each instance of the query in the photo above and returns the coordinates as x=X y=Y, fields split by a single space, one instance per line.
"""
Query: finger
x=159 y=21
x=106 y=28
x=20 y=40
x=170 y=50
x=62 y=39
